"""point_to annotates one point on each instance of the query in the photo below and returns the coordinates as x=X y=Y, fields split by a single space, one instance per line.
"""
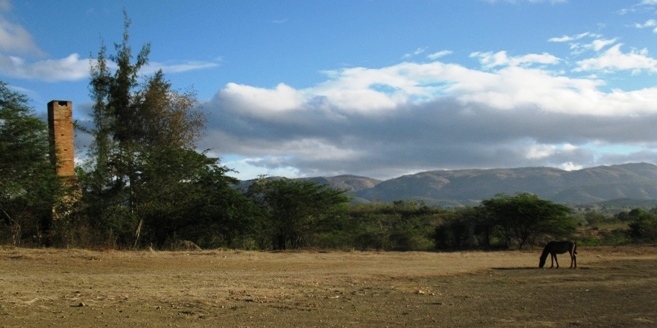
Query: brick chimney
x=60 y=123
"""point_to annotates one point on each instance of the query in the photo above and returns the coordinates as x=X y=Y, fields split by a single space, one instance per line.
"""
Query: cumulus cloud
x=387 y=121
x=614 y=59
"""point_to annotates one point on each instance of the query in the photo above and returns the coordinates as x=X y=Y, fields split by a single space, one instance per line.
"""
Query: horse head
x=541 y=262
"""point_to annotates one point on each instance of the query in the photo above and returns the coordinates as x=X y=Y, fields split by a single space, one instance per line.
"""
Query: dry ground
x=613 y=287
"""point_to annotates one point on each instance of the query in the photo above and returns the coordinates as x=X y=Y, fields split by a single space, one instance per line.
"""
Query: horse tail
x=574 y=248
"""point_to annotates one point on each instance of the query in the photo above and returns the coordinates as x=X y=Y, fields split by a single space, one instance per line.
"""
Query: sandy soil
x=613 y=287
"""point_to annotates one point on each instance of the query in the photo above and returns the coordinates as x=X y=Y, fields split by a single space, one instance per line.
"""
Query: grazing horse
x=559 y=247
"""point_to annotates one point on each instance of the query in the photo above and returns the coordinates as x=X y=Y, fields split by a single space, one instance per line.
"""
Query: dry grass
x=83 y=288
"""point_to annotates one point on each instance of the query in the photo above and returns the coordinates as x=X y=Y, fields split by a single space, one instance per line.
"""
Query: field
x=613 y=287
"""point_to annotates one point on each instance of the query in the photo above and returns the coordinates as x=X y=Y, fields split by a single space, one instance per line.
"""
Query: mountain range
x=454 y=188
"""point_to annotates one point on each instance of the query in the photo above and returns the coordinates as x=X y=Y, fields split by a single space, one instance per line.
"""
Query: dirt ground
x=613 y=287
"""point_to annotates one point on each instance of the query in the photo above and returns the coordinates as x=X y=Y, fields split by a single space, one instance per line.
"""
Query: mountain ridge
x=466 y=187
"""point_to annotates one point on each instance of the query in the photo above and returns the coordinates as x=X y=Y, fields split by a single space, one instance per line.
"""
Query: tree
x=106 y=181
x=463 y=228
x=525 y=217
x=295 y=210
x=28 y=180
x=642 y=226
x=144 y=169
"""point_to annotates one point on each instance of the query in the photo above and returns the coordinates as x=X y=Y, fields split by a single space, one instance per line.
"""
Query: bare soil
x=612 y=287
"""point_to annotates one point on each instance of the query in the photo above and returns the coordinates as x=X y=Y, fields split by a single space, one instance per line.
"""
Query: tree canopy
x=296 y=209
x=143 y=166
x=28 y=180
x=525 y=217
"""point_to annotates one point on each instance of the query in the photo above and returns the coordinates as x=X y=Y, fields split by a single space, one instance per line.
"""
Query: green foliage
x=145 y=183
x=596 y=217
x=400 y=226
x=454 y=232
x=294 y=211
x=525 y=217
x=28 y=181
x=612 y=237
x=468 y=228
x=642 y=226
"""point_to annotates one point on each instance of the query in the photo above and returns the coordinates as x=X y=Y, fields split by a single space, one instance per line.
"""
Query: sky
x=376 y=88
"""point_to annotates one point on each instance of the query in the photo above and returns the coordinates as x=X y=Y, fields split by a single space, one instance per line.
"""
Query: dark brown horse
x=559 y=247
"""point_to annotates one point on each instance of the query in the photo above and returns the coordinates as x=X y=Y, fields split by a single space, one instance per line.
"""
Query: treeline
x=143 y=184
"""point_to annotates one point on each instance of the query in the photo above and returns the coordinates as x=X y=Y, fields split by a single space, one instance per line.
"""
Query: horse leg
x=556 y=259
x=573 y=260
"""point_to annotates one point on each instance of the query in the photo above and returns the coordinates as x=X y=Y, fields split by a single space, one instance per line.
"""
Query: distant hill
x=353 y=184
x=634 y=183
x=350 y=183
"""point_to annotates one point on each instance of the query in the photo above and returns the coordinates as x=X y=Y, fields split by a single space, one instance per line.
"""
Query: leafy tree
x=143 y=174
x=28 y=180
x=642 y=226
x=110 y=203
x=595 y=217
x=401 y=225
x=459 y=226
x=295 y=210
x=524 y=217
x=206 y=208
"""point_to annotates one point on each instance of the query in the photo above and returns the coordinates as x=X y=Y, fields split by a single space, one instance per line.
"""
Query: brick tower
x=60 y=123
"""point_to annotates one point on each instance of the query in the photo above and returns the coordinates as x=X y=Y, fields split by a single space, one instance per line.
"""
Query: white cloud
x=570 y=166
x=614 y=59
x=598 y=44
x=74 y=68
x=379 y=91
x=569 y=38
x=70 y=68
x=15 y=39
x=439 y=54
x=417 y=51
x=492 y=60
x=259 y=101
x=577 y=46
x=540 y=151
x=416 y=116
x=182 y=67
x=648 y=23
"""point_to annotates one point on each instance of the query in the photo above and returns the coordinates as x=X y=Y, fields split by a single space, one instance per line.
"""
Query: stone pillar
x=62 y=155
x=60 y=123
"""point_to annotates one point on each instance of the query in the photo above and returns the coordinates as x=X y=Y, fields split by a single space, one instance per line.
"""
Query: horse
x=559 y=247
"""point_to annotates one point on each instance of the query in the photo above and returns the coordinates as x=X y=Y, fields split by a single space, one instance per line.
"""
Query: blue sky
x=369 y=87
